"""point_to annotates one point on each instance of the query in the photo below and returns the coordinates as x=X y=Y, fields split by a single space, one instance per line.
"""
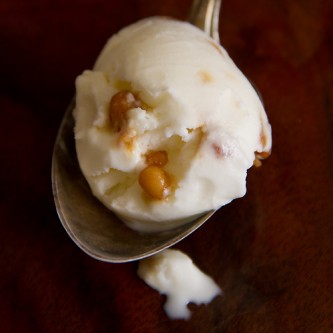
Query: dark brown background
x=271 y=251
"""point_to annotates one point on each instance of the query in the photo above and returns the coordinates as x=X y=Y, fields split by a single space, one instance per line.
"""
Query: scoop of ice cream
x=166 y=125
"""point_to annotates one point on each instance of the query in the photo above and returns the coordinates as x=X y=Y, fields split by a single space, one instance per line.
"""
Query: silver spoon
x=94 y=228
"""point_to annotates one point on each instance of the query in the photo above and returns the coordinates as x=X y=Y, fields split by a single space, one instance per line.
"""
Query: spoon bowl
x=94 y=228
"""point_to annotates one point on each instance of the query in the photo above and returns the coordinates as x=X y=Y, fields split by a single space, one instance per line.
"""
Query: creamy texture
x=173 y=274
x=189 y=100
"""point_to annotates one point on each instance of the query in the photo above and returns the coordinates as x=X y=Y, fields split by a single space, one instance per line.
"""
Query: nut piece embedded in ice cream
x=158 y=158
x=259 y=157
x=153 y=179
x=120 y=103
x=155 y=182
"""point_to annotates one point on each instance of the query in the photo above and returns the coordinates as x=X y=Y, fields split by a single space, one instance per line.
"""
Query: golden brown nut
x=120 y=103
x=155 y=182
x=259 y=157
x=158 y=158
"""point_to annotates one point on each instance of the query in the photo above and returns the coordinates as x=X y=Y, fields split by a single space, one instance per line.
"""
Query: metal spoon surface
x=94 y=228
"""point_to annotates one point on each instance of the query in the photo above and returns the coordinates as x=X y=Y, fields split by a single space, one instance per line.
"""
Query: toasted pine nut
x=158 y=158
x=155 y=182
x=120 y=103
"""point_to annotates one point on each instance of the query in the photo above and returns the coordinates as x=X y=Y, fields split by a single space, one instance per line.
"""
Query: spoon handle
x=205 y=14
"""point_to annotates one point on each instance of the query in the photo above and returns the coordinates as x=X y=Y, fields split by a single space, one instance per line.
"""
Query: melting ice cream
x=174 y=274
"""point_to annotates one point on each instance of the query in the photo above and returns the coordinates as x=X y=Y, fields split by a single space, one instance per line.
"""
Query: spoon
x=94 y=228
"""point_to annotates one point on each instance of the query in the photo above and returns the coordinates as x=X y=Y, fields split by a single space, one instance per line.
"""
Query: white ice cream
x=184 y=97
x=173 y=274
